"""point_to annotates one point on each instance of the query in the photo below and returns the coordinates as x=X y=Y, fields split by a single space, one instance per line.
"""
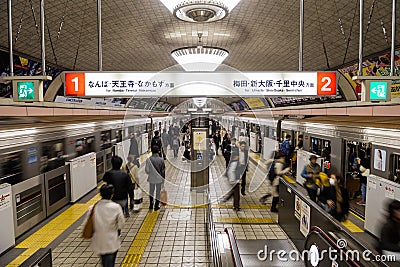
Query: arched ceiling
x=138 y=35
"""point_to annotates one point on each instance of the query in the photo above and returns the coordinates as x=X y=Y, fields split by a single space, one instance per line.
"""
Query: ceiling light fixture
x=200 y=58
x=200 y=10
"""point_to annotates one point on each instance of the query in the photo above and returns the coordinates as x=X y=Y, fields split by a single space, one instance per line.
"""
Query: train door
x=352 y=181
x=57 y=184
x=297 y=142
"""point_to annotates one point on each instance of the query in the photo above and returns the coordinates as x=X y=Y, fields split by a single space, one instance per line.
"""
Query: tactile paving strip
x=48 y=233
x=135 y=252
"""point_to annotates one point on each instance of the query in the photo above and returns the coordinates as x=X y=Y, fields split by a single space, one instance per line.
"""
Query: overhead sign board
x=244 y=84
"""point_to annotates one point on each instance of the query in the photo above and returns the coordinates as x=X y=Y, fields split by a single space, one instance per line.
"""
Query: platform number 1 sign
x=326 y=84
x=75 y=84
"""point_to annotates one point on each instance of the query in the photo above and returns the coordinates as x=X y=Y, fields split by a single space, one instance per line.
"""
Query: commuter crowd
x=122 y=194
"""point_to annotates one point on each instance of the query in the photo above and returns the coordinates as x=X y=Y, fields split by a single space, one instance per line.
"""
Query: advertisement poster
x=145 y=142
x=253 y=141
x=305 y=213
x=375 y=66
x=297 y=207
x=199 y=138
x=380 y=160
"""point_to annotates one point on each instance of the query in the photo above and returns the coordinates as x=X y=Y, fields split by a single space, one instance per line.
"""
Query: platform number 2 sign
x=75 y=84
x=326 y=84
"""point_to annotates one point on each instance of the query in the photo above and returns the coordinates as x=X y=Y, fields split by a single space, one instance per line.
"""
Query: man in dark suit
x=242 y=165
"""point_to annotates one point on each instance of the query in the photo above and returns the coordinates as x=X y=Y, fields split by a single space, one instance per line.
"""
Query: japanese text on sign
x=208 y=84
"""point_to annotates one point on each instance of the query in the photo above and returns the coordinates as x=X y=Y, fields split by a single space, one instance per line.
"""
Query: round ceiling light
x=203 y=58
x=200 y=10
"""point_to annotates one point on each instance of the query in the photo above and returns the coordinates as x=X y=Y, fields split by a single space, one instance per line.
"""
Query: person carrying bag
x=103 y=224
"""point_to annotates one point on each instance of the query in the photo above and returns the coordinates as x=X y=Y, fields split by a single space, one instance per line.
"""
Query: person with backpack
x=156 y=141
x=311 y=173
x=122 y=183
x=155 y=168
x=276 y=170
x=286 y=149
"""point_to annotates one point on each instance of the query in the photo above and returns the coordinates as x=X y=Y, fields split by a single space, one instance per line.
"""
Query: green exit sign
x=26 y=90
x=378 y=90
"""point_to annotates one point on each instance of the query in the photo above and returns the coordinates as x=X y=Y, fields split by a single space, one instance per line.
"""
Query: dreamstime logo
x=314 y=255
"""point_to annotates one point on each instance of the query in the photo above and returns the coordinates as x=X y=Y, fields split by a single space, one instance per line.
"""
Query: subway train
x=35 y=152
x=337 y=140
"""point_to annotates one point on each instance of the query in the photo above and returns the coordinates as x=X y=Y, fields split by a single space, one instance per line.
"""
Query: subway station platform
x=176 y=235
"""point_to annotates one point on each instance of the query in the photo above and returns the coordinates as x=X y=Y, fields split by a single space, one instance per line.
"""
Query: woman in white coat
x=108 y=220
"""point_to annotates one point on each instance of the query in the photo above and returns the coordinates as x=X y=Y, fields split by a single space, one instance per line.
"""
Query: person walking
x=133 y=147
x=242 y=165
x=279 y=169
x=175 y=144
x=165 y=138
x=390 y=233
x=155 y=168
x=234 y=179
x=108 y=221
x=286 y=148
x=156 y=141
x=334 y=199
x=311 y=174
x=132 y=169
x=122 y=183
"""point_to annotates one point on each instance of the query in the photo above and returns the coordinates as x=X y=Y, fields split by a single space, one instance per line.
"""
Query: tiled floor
x=180 y=234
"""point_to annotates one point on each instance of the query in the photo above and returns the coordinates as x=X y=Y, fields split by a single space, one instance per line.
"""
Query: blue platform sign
x=378 y=90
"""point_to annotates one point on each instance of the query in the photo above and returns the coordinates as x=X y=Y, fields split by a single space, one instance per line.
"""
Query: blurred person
x=175 y=144
x=165 y=138
x=132 y=169
x=286 y=148
x=108 y=221
x=390 y=232
x=155 y=168
x=122 y=183
x=156 y=141
x=279 y=169
x=334 y=199
x=311 y=174
x=186 y=153
x=300 y=142
x=234 y=178
x=133 y=147
x=231 y=144
x=242 y=164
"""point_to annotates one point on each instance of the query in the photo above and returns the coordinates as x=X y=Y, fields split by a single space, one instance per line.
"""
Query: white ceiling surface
x=138 y=35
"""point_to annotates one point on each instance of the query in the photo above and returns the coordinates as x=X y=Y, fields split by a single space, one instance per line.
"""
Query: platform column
x=200 y=152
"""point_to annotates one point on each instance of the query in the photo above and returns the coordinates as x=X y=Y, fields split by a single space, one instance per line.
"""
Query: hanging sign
x=244 y=84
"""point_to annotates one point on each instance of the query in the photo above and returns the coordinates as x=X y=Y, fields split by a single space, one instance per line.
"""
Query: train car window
x=84 y=145
x=105 y=139
x=357 y=150
x=11 y=168
x=395 y=168
x=52 y=156
x=322 y=148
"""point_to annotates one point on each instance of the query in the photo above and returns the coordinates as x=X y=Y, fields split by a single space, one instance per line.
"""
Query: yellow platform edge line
x=358 y=217
x=53 y=229
x=139 y=243
x=352 y=227
x=246 y=220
